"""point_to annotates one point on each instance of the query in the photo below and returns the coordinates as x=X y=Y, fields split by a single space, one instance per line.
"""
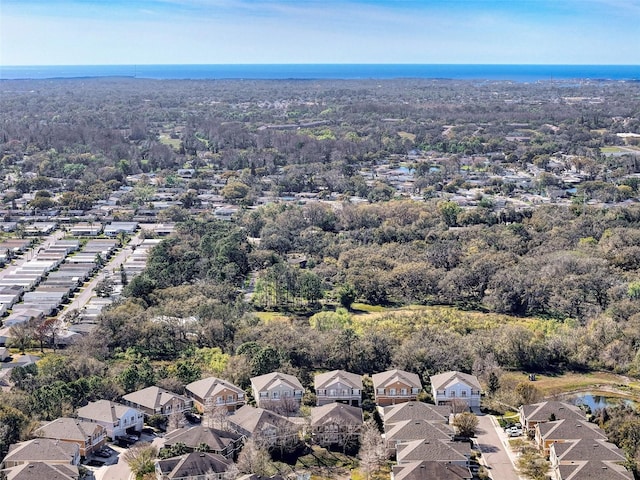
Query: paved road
x=492 y=443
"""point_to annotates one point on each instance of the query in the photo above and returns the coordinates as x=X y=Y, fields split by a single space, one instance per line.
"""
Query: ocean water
x=517 y=73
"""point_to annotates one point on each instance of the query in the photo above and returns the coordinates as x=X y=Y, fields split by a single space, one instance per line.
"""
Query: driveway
x=497 y=456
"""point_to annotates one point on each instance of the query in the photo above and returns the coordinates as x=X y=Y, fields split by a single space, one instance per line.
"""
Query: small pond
x=595 y=400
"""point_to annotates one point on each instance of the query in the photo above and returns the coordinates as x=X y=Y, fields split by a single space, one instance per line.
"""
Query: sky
x=129 y=32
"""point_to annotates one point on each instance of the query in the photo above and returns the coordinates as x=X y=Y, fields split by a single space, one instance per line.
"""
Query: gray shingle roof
x=42 y=450
x=336 y=412
x=430 y=470
x=40 y=471
x=416 y=411
x=68 y=429
x=217 y=440
x=416 y=430
x=193 y=465
x=435 y=450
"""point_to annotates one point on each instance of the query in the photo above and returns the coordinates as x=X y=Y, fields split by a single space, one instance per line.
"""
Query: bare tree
x=216 y=416
x=372 y=450
x=458 y=406
x=254 y=459
x=175 y=420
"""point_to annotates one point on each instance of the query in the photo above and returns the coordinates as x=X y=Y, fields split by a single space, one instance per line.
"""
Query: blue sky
x=92 y=32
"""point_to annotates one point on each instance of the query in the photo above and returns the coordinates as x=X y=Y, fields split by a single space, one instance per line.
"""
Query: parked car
x=103 y=453
x=514 y=432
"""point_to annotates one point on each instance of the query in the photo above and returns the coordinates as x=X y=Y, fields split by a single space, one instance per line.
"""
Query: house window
x=403 y=391
x=392 y=391
x=220 y=400
x=275 y=395
x=415 y=390
x=322 y=392
x=463 y=393
x=332 y=393
x=452 y=393
x=264 y=394
x=381 y=391
x=355 y=391
x=298 y=393
x=229 y=398
x=345 y=392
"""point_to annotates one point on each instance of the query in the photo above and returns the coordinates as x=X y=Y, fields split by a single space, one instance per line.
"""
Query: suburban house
x=564 y=430
x=338 y=386
x=572 y=451
x=417 y=429
x=593 y=470
x=266 y=428
x=40 y=470
x=219 y=441
x=531 y=415
x=157 y=401
x=413 y=411
x=336 y=424
x=90 y=437
x=193 y=466
x=395 y=386
x=454 y=453
x=277 y=391
x=451 y=386
x=42 y=450
x=4 y=354
x=214 y=392
x=430 y=470
x=117 y=419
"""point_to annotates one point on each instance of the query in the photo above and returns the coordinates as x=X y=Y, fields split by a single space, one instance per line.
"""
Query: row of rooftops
x=577 y=448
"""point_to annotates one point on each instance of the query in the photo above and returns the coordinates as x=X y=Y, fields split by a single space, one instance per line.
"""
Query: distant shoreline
x=477 y=72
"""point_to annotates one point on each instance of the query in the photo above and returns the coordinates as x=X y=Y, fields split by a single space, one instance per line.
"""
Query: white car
x=514 y=432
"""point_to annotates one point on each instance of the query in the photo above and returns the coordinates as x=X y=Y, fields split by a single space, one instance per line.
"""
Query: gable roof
x=209 y=387
x=250 y=419
x=418 y=429
x=443 y=380
x=336 y=413
x=383 y=379
x=269 y=380
x=415 y=410
x=40 y=470
x=104 y=411
x=68 y=429
x=438 y=450
x=193 y=465
x=42 y=450
x=217 y=440
x=541 y=412
x=153 y=397
x=591 y=449
x=569 y=429
x=431 y=470
x=594 y=470
x=323 y=380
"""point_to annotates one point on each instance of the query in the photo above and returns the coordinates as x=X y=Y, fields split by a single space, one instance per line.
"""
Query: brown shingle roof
x=153 y=397
x=217 y=440
x=322 y=380
x=208 y=387
x=381 y=380
x=263 y=382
